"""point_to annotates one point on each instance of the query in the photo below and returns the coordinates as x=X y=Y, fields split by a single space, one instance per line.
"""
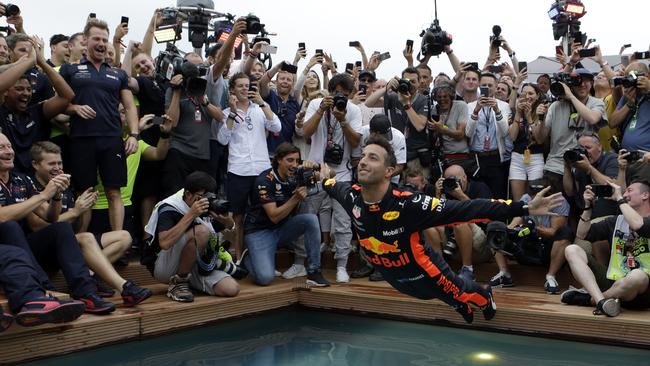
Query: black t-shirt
x=606 y=165
x=268 y=188
x=41 y=87
x=167 y=219
x=604 y=230
x=399 y=119
x=476 y=189
x=524 y=140
x=151 y=96
x=22 y=130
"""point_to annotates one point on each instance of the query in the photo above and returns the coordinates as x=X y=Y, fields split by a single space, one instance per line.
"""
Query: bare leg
x=518 y=188
x=146 y=208
x=239 y=234
x=433 y=236
x=115 y=208
x=199 y=235
x=115 y=244
x=502 y=261
x=629 y=287
x=577 y=259
x=227 y=287
x=463 y=235
x=600 y=251
x=557 y=256
x=98 y=262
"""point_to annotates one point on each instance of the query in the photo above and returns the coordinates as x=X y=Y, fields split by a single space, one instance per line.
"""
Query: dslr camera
x=305 y=177
x=626 y=81
x=340 y=101
x=253 y=25
x=11 y=10
x=403 y=86
x=573 y=155
x=563 y=77
x=634 y=156
x=450 y=184
x=218 y=206
x=333 y=153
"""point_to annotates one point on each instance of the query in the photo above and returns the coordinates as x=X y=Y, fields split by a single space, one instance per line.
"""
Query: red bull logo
x=378 y=247
x=402 y=260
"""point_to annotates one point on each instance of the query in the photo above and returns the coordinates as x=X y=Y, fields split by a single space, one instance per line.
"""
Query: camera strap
x=330 y=128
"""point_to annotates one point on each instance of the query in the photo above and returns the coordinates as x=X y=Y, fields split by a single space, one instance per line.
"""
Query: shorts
x=167 y=265
x=88 y=155
x=238 y=190
x=642 y=301
x=481 y=252
x=531 y=171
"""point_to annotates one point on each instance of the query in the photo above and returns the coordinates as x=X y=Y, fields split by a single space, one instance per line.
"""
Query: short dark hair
x=58 y=38
x=14 y=38
x=73 y=38
x=488 y=75
x=411 y=70
x=391 y=160
x=212 y=51
x=344 y=80
x=95 y=23
x=283 y=150
x=544 y=76
x=43 y=147
x=644 y=183
x=200 y=181
x=237 y=76
x=423 y=66
x=477 y=72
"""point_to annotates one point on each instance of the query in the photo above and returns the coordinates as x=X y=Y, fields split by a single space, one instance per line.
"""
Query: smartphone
x=625 y=60
x=92 y=15
x=363 y=89
x=358 y=64
x=292 y=69
x=409 y=44
x=124 y=20
x=641 y=55
x=496 y=69
x=559 y=50
x=349 y=67
x=301 y=45
x=355 y=44
x=522 y=65
x=252 y=88
x=384 y=56
x=484 y=91
x=473 y=66
x=269 y=49
x=158 y=120
x=587 y=52
x=602 y=190
x=319 y=52
x=627 y=45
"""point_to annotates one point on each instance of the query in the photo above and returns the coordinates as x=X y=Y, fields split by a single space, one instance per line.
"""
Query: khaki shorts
x=482 y=252
x=586 y=245
x=167 y=266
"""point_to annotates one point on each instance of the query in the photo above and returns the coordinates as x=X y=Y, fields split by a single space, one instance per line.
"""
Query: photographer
x=540 y=240
x=248 y=118
x=486 y=130
x=334 y=125
x=182 y=227
x=581 y=110
x=625 y=281
x=272 y=221
x=469 y=237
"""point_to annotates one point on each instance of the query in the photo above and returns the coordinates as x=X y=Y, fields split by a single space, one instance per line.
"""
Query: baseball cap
x=58 y=38
x=368 y=73
x=380 y=124
x=584 y=72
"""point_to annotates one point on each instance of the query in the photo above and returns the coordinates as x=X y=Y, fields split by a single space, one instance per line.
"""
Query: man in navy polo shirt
x=95 y=127
x=282 y=102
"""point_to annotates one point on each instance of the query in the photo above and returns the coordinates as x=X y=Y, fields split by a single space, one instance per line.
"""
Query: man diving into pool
x=389 y=223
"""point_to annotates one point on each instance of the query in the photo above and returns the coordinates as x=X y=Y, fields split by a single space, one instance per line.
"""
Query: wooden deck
x=525 y=309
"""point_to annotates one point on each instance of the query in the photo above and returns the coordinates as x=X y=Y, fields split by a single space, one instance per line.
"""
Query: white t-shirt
x=398 y=142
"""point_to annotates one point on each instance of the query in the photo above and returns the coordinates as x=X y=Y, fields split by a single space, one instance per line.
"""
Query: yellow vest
x=618 y=266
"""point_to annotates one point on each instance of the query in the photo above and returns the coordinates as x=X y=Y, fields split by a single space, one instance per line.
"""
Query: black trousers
x=19 y=276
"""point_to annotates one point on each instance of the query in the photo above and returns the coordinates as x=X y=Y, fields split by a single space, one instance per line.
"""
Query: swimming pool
x=313 y=338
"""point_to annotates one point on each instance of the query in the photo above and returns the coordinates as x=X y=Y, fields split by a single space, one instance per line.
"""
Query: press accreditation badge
x=197 y=115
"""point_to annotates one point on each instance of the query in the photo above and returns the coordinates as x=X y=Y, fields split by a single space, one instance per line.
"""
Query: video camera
x=305 y=177
x=434 y=39
x=216 y=205
x=570 y=80
x=170 y=63
x=495 y=38
x=573 y=155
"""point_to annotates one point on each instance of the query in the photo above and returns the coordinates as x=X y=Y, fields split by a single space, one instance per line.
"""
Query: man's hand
x=56 y=185
x=86 y=200
x=176 y=82
x=630 y=96
x=300 y=193
x=84 y=111
x=232 y=103
x=374 y=62
x=542 y=206
x=199 y=207
x=257 y=47
x=583 y=164
x=326 y=104
x=439 y=186
x=339 y=115
x=166 y=126
x=239 y=28
x=408 y=54
x=120 y=31
x=568 y=94
x=621 y=159
x=617 y=191
x=145 y=122
x=254 y=95
x=226 y=220
x=643 y=84
x=130 y=145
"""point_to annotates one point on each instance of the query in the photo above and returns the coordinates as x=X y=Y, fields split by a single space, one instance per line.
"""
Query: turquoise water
x=298 y=337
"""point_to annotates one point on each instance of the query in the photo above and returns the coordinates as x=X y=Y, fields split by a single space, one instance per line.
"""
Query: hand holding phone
x=484 y=91
x=158 y=120
x=384 y=56
x=409 y=44
x=522 y=65
x=602 y=190
x=587 y=52
x=124 y=20
x=355 y=44
x=292 y=69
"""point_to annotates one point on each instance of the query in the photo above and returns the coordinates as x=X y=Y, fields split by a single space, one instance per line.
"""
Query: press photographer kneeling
x=536 y=240
x=271 y=219
x=625 y=281
x=184 y=227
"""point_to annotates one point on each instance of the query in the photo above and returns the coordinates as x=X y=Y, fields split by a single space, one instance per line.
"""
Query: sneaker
x=179 y=288
x=5 y=320
x=50 y=310
x=489 y=310
x=342 y=275
x=551 y=286
x=133 y=294
x=467 y=274
x=363 y=271
x=609 y=307
x=277 y=273
x=316 y=279
x=97 y=305
x=501 y=280
x=466 y=312
x=103 y=290
x=376 y=276
x=296 y=270
x=575 y=296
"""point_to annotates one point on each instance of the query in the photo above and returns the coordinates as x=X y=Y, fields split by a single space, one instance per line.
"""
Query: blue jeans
x=263 y=244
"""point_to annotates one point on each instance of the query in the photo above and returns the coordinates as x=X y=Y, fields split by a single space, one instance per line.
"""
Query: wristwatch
x=407 y=106
x=136 y=135
x=262 y=105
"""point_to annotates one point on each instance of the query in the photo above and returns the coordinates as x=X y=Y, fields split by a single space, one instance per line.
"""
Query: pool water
x=313 y=338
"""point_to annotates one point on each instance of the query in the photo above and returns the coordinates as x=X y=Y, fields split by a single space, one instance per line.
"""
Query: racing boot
x=466 y=312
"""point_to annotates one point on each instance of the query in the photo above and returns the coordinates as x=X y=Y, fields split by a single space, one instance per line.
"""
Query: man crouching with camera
x=272 y=221
x=184 y=229
x=625 y=281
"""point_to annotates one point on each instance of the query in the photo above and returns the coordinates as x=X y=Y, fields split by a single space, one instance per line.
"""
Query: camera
x=11 y=10
x=450 y=184
x=563 y=77
x=305 y=177
x=521 y=242
x=633 y=156
x=495 y=38
x=434 y=40
x=602 y=190
x=573 y=155
x=168 y=63
x=403 y=86
x=626 y=81
x=253 y=25
x=218 y=206
x=340 y=101
x=333 y=154
x=216 y=257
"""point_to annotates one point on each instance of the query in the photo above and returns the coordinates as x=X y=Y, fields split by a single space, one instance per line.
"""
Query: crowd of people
x=205 y=177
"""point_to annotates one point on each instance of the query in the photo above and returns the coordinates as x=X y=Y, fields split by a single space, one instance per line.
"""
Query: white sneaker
x=277 y=273
x=342 y=275
x=296 y=270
